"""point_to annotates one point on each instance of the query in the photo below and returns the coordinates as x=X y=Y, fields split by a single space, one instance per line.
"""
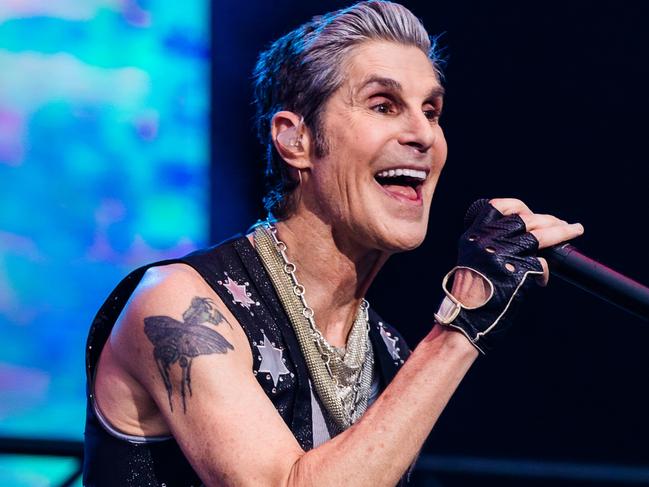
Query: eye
x=432 y=111
x=383 y=103
x=432 y=114
x=384 y=107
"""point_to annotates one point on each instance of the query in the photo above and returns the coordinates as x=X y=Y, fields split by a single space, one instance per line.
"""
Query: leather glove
x=491 y=241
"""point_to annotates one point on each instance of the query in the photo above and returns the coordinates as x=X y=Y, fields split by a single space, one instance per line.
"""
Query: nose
x=418 y=132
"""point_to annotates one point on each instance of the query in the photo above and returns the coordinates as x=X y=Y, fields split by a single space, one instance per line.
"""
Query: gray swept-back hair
x=302 y=69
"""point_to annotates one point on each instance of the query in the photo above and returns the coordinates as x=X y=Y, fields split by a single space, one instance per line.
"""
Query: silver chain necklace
x=351 y=372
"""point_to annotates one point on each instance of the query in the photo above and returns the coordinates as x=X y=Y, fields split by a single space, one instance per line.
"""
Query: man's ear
x=291 y=138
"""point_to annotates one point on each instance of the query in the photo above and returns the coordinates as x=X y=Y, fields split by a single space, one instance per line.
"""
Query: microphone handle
x=570 y=265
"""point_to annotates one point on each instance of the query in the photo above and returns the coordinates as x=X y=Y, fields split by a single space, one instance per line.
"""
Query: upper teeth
x=413 y=173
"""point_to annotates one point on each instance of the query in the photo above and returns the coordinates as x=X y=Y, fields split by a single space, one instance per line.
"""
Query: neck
x=335 y=272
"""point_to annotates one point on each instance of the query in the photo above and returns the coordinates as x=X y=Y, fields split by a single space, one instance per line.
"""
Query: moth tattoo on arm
x=175 y=341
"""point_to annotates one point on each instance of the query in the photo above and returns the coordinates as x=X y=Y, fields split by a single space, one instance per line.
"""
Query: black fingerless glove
x=492 y=243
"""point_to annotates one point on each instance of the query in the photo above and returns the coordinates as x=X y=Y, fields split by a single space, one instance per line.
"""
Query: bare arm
x=378 y=449
x=229 y=429
x=178 y=340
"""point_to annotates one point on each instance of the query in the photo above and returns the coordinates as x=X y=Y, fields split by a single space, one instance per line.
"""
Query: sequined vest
x=235 y=272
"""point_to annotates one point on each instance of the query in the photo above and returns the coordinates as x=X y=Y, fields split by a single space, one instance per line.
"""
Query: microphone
x=567 y=263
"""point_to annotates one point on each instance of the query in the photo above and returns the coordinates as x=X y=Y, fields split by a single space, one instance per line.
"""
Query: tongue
x=405 y=191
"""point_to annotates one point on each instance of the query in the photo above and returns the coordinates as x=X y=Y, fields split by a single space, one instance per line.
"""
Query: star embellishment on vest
x=239 y=292
x=272 y=360
x=390 y=343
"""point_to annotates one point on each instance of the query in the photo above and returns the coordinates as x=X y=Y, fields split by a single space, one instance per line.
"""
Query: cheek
x=353 y=137
x=441 y=150
x=344 y=163
x=329 y=186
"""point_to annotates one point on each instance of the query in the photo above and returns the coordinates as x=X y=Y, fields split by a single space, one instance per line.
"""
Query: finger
x=543 y=280
x=510 y=206
x=554 y=235
x=536 y=220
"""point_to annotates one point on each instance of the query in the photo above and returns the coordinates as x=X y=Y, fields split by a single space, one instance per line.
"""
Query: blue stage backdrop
x=104 y=165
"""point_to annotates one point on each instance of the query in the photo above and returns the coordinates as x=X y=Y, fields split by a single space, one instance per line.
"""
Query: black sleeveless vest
x=235 y=272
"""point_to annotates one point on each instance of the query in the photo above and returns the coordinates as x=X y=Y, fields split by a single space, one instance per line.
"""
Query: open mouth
x=402 y=183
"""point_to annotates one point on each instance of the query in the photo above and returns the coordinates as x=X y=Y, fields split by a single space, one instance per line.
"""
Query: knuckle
x=556 y=219
x=528 y=221
x=497 y=203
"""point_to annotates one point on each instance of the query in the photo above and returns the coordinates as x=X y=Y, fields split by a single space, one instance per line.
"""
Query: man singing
x=258 y=362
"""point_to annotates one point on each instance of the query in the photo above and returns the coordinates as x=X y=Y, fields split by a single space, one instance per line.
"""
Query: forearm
x=378 y=449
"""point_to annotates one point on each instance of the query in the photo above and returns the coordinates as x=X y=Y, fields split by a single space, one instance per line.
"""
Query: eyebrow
x=437 y=91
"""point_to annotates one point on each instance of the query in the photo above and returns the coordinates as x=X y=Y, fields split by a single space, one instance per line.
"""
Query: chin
x=403 y=237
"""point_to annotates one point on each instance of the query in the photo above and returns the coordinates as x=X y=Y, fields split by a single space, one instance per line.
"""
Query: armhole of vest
x=103 y=421
x=375 y=319
x=113 y=431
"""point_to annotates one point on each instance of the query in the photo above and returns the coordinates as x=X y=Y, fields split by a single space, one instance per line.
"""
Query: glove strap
x=450 y=307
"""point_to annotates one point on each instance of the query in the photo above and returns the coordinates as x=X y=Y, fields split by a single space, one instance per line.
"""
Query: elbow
x=299 y=474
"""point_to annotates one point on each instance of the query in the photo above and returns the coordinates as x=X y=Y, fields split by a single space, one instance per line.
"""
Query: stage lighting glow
x=104 y=166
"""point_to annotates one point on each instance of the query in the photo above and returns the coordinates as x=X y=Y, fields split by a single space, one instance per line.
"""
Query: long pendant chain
x=328 y=351
x=350 y=376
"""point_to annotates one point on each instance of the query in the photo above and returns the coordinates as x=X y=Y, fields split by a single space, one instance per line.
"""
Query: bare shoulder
x=191 y=364
x=173 y=317
x=163 y=282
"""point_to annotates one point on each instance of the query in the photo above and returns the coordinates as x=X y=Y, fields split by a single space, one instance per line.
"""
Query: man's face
x=382 y=122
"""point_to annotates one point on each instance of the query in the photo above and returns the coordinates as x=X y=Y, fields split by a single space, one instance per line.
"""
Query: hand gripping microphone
x=567 y=263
